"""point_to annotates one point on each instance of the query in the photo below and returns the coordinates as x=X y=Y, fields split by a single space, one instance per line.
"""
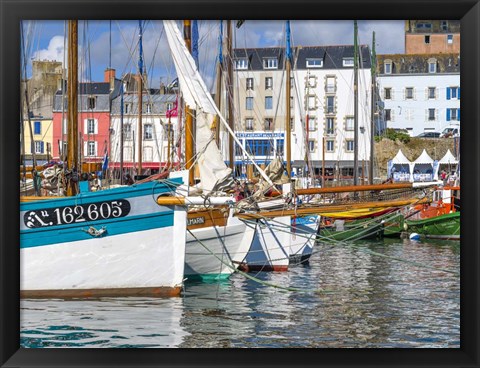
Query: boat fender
x=414 y=236
x=405 y=226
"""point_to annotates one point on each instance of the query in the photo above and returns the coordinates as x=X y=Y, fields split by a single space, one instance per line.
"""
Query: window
x=330 y=145
x=37 y=127
x=330 y=126
x=330 y=105
x=409 y=93
x=91 y=102
x=148 y=109
x=268 y=124
x=148 y=131
x=450 y=39
x=127 y=107
x=444 y=25
x=349 y=123
x=349 y=146
x=348 y=62
x=312 y=105
x=387 y=65
x=250 y=84
x=432 y=65
x=248 y=124
x=453 y=93
x=148 y=153
x=387 y=92
x=241 y=64
x=312 y=81
x=330 y=85
x=311 y=145
x=270 y=63
x=431 y=114
x=427 y=39
x=423 y=25
x=453 y=114
x=169 y=106
x=268 y=82
x=314 y=63
x=312 y=123
x=259 y=147
x=280 y=146
x=268 y=102
x=91 y=148
x=91 y=126
x=249 y=103
x=388 y=114
x=432 y=91
x=39 y=147
x=127 y=132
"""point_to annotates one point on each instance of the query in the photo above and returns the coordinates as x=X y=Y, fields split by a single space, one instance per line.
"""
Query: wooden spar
x=288 y=128
x=122 y=137
x=373 y=66
x=319 y=209
x=218 y=93
x=140 y=99
x=193 y=201
x=231 y=144
x=355 y=104
x=72 y=143
x=187 y=35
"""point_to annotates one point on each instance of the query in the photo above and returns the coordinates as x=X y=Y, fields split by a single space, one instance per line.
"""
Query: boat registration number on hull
x=76 y=214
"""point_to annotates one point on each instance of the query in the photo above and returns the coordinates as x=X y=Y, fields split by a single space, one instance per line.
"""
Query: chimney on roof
x=109 y=76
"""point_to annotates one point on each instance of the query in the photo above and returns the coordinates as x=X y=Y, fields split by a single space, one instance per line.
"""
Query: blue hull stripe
x=64 y=234
x=150 y=188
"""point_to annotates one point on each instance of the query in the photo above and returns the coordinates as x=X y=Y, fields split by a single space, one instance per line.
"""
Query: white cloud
x=53 y=52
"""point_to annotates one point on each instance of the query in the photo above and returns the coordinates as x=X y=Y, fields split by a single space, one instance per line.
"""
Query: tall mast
x=231 y=147
x=140 y=95
x=218 y=93
x=288 y=128
x=373 y=98
x=72 y=144
x=355 y=102
x=121 y=134
x=187 y=35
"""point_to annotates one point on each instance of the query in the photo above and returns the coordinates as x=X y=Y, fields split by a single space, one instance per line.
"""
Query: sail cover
x=214 y=174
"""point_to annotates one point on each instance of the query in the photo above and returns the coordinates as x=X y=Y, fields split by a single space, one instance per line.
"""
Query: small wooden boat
x=445 y=226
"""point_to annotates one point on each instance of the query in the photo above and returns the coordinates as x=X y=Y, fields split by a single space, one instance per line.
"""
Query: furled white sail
x=213 y=171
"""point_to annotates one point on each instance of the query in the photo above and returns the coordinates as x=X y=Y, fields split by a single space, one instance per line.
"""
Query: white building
x=420 y=93
x=323 y=80
x=154 y=125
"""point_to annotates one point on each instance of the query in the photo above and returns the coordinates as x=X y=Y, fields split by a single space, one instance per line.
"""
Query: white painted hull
x=270 y=248
x=302 y=241
x=229 y=245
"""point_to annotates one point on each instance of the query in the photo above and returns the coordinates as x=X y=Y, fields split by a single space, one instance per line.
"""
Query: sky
x=104 y=44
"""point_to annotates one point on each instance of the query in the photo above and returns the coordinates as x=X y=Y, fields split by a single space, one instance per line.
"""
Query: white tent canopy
x=424 y=158
x=399 y=167
x=400 y=159
x=449 y=158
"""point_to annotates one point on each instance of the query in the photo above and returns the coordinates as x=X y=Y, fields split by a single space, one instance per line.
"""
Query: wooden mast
x=218 y=93
x=140 y=99
x=187 y=35
x=355 y=107
x=288 y=127
x=72 y=144
x=373 y=98
x=231 y=144
x=122 y=136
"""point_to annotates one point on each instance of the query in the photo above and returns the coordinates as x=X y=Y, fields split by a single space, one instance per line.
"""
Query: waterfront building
x=322 y=107
x=419 y=92
x=432 y=36
x=41 y=87
x=94 y=100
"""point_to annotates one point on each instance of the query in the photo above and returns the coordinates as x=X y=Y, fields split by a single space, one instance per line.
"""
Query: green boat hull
x=353 y=230
x=439 y=227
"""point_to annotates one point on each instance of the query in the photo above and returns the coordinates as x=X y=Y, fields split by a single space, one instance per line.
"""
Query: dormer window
x=450 y=39
x=314 y=63
x=270 y=63
x=348 y=62
x=432 y=65
x=241 y=64
x=91 y=102
x=387 y=66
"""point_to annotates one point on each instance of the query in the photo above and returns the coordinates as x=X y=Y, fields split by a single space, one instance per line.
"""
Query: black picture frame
x=11 y=12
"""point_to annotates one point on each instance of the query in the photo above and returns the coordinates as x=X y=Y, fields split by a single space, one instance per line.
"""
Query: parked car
x=429 y=135
x=451 y=131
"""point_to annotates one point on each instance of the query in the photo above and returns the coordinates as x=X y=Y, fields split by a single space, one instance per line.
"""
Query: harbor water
x=358 y=297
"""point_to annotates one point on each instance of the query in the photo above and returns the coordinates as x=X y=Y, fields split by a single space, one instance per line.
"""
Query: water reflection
x=375 y=302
